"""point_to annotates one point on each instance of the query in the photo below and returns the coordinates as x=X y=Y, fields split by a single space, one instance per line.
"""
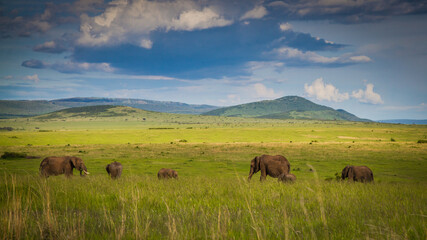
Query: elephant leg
x=281 y=177
x=263 y=173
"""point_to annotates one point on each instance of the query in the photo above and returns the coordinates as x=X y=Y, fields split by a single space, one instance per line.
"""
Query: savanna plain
x=212 y=198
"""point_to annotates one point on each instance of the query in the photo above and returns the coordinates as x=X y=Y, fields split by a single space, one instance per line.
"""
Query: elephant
x=62 y=165
x=166 y=173
x=275 y=166
x=287 y=178
x=357 y=173
x=114 y=169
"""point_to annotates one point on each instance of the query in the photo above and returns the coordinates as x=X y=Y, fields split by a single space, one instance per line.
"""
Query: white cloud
x=285 y=27
x=194 y=19
x=314 y=58
x=146 y=43
x=261 y=91
x=8 y=77
x=257 y=13
x=131 y=21
x=34 y=78
x=368 y=95
x=323 y=91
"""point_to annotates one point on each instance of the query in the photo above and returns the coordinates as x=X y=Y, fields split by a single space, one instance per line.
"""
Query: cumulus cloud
x=323 y=91
x=368 y=95
x=69 y=66
x=329 y=92
x=257 y=13
x=285 y=27
x=297 y=57
x=132 y=21
x=261 y=91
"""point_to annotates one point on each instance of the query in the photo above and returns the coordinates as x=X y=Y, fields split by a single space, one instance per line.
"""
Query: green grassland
x=212 y=198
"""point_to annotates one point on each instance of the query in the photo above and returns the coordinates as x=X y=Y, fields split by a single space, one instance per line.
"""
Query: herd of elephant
x=274 y=166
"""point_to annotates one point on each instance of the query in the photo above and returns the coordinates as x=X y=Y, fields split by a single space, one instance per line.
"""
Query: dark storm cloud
x=69 y=66
x=33 y=63
x=24 y=18
x=346 y=11
x=306 y=42
x=50 y=47
x=60 y=45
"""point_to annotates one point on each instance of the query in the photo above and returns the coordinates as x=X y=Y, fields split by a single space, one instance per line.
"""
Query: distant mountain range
x=405 y=121
x=290 y=107
x=27 y=108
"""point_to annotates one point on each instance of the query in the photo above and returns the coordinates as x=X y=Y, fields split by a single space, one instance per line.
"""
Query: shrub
x=422 y=141
x=13 y=155
x=392 y=139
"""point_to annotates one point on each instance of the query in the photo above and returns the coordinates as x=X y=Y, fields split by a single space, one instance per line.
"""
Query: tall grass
x=136 y=207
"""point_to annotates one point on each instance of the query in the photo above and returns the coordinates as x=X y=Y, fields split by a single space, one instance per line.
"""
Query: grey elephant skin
x=287 y=178
x=357 y=174
x=53 y=166
x=274 y=166
x=166 y=173
x=114 y=169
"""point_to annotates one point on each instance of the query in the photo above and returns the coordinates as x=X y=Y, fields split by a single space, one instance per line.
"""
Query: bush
x=13 y=155
x=422 y=141
x=392 y=139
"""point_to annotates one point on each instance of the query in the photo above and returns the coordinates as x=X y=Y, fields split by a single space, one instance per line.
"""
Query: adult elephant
x=274 y=166
x=287 y=178
x=114 y=169
x=166 y=173
x=357 y=173
x=62 y=165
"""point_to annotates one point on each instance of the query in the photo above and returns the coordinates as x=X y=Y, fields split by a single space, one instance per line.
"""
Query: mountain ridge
x=288 y=107
x=28 y=108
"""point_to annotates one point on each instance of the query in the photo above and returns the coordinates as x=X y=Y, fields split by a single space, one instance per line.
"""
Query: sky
x=368 y=57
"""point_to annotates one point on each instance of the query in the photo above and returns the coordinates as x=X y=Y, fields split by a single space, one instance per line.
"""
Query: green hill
x=27 y=108
x=290 y=107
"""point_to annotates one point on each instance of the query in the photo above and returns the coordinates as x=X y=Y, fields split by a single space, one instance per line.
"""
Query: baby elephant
x=357 y=173
x=287 y=178
x=166 y=173
x=114 y=169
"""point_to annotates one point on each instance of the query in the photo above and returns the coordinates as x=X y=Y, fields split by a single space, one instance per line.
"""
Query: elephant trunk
x=250 y=174
x=84 y=170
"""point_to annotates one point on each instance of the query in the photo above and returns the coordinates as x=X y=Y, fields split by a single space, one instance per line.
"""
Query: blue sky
x=367 y=57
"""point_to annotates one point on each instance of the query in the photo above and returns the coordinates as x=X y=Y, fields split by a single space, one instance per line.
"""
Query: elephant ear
x=107 y=168
x=257 y=163
x=344 y=172
x=73 y=161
